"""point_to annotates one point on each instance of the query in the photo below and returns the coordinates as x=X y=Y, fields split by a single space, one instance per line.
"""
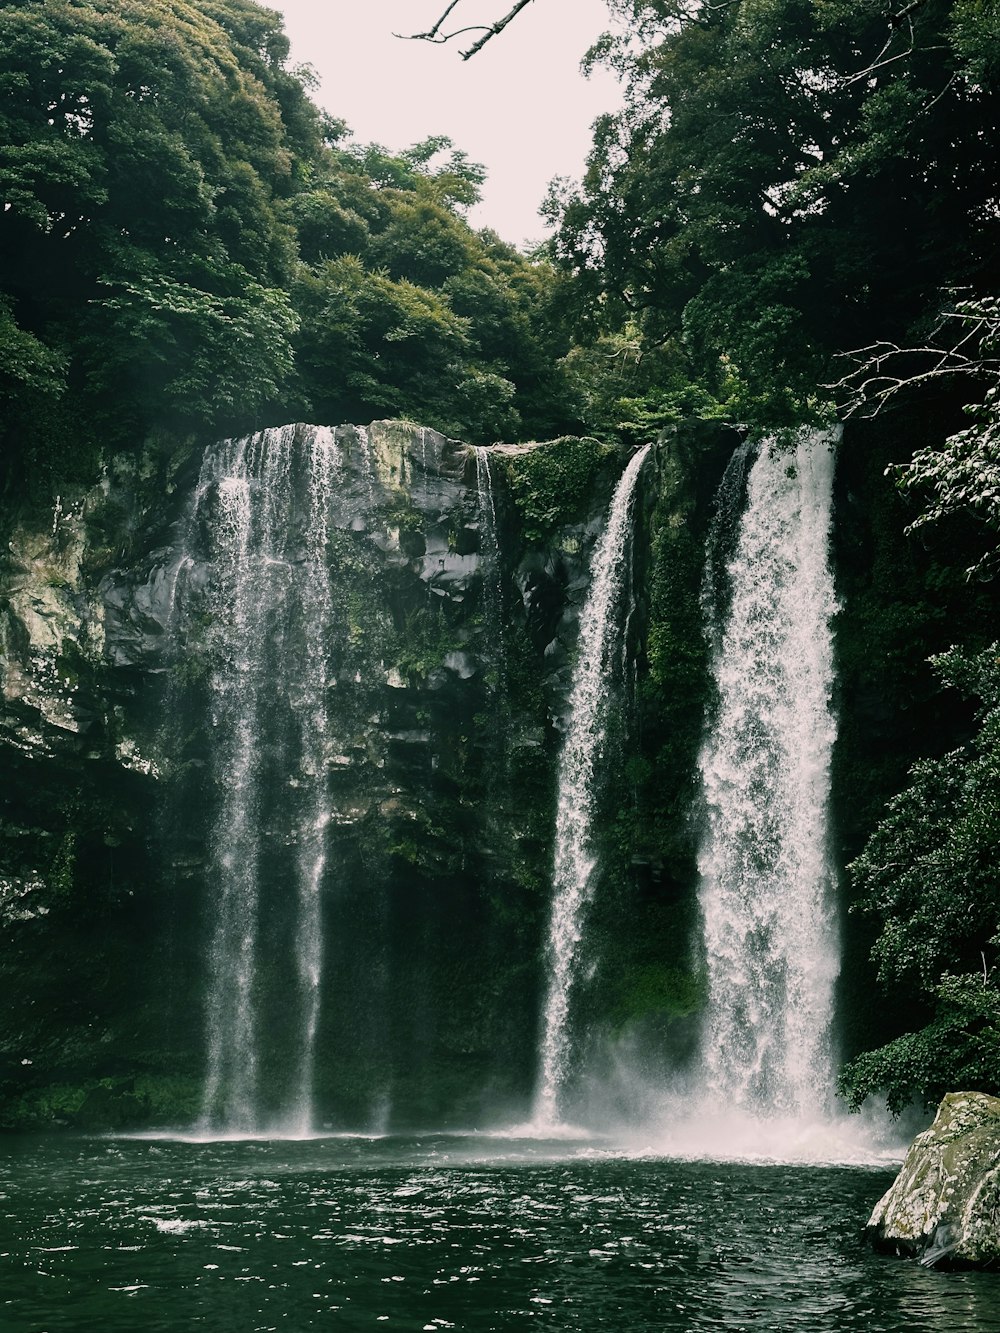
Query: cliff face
x=454 y=595
x=388 y=644
x=78 y=801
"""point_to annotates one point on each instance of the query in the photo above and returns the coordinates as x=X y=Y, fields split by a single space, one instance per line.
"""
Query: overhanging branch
x=438 y=35
x=963 y=345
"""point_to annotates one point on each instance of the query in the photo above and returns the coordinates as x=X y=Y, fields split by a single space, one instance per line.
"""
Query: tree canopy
x=148 y=153
x=186 y=241
x=788 y=180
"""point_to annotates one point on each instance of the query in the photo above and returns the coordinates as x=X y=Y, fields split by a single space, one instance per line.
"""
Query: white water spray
x=582 y=752
x=766 y=879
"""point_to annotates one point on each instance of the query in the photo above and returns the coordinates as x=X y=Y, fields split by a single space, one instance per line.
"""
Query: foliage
x=147 y=151
x=962 y=477
x=959 y=478
x=787 y=180
x=641 y=989
x=552 y=483
x=928 y=869
x=626 y=392
x=406 y=311
x=959 y=1048
x=928 y=874
x=426 y=640
x=187 y=244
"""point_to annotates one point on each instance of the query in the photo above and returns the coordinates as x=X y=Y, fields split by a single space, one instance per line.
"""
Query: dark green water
x=439 y=1233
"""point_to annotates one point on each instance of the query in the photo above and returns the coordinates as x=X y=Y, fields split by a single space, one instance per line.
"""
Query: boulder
x=944 y=1206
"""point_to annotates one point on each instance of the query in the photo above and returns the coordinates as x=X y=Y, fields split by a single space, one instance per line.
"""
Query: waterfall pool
x=466 y=1232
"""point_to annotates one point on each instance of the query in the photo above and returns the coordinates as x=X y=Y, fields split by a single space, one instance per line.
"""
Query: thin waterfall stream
x=771 y=942
x=575 y=860
x=492 y=563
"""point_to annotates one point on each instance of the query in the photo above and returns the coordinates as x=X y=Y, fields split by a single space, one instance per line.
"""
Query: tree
x=148 y=151
x=928 y=874
x=406 y=310
x=786 y=180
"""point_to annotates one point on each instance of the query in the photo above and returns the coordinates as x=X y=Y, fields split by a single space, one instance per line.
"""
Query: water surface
x=455 y=1232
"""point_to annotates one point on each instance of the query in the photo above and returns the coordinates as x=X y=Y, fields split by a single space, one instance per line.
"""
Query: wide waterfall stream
x=271 y=619
x=766 y=895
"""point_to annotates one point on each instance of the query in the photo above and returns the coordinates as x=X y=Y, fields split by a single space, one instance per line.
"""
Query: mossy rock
x=944 y=1206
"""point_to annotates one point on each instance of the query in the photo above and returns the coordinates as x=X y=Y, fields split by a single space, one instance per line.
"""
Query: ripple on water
x=209 y=1235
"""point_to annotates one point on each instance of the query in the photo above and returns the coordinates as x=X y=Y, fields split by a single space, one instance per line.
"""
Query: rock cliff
x=457 y=584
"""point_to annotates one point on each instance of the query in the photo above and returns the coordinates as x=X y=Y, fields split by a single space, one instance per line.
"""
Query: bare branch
x=489 y=31
x=963 y=344
x=904 y=19
x=432 y=33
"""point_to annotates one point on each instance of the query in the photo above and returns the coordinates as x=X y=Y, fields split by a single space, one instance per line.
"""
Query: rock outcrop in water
x=944 y=1206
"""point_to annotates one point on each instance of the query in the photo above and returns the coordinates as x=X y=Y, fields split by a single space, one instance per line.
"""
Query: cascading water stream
x=492 y=566
x=582 y=751
x=230 y=1092
x=316 y=607
x=268 y=607
x=766 y=879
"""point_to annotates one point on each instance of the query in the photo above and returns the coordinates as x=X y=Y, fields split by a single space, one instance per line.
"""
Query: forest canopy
x=188 y=242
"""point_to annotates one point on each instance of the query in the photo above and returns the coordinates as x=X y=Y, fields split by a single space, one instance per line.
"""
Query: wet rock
x=449 y=650
x=944 y=1206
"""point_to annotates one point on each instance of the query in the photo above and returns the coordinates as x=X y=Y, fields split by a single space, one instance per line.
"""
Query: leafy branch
x=963 y=475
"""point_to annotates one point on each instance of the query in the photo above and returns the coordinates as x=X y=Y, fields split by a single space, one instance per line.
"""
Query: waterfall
x=261 y=506
x=316 y=609
x=582 y=751
x=493 y=606
x=766 y=879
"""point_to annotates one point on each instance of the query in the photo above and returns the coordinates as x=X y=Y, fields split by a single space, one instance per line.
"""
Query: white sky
x=520 y=106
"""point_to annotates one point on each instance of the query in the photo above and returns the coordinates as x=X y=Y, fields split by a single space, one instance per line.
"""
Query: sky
x=521 y=106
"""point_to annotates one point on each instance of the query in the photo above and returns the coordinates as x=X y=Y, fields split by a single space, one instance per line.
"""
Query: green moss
x=552 y=484
x=400 y=513
x=60 y=877
x=642 y=989
x=100 y=1103
x=426 y=639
